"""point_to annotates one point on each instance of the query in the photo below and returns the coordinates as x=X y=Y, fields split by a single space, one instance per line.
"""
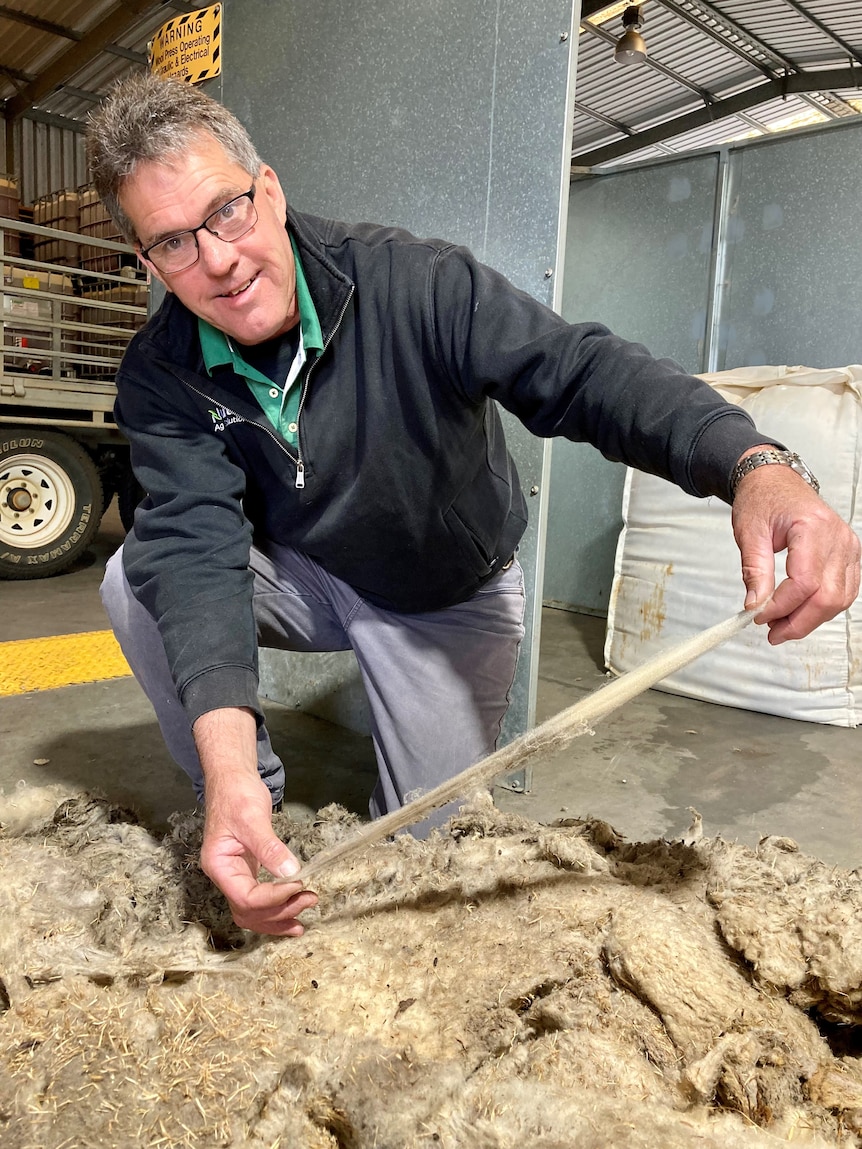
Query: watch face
x=803 y=470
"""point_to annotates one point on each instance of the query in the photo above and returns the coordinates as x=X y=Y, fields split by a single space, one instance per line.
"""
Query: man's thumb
x=274 y=856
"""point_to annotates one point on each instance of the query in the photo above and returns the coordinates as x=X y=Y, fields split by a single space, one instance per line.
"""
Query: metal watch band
x=769 y=456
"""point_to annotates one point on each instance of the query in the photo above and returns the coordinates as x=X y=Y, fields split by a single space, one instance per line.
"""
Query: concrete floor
x=748 y=774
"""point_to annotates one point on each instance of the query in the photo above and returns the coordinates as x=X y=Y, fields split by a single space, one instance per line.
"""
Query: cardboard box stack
x=110 y=344
x=42 y=333
x=96 y=222
x=61 y=210
x=10 y=203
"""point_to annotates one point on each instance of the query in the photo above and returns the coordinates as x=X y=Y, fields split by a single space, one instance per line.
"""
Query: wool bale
x=677 y=566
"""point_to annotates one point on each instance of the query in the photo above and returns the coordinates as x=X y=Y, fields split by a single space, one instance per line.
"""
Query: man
x=310 y=414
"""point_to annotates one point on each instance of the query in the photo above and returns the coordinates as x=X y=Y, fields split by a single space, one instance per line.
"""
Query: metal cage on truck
x=66 y=321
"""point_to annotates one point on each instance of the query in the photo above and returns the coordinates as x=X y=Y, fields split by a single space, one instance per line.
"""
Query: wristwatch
x=763 y=459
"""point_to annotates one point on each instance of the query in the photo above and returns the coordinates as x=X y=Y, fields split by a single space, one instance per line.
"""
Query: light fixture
x=631 y=47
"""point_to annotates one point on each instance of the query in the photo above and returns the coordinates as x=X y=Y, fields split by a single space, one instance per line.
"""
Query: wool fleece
x=500 y=984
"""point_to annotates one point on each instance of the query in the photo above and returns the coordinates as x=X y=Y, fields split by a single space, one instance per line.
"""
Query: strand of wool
x=552 y=734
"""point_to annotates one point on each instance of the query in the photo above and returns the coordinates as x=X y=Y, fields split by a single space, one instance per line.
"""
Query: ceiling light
x=631 y=47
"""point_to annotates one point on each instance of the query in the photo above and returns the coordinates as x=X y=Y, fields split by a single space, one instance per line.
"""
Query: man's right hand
x=238 y=834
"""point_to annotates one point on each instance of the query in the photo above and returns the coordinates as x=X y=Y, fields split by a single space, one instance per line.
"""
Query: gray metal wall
x=448 y=118
x=637 y=259
x=745 y=256
x=49 y=159
x=794 y=252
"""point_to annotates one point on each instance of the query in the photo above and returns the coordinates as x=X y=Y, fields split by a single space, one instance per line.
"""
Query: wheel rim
x=37 y=501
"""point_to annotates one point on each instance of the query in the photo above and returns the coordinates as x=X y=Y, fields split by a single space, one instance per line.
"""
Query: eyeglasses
x=229 y=222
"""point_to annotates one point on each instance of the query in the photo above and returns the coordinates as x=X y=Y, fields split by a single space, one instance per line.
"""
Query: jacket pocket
x=476 y=520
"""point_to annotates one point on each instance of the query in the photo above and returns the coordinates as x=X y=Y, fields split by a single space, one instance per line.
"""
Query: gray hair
x=150 y=119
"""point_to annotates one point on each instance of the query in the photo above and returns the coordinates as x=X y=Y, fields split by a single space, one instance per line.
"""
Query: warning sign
x=188 y=47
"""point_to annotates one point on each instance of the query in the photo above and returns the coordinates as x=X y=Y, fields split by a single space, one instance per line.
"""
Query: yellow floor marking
x=46 y=663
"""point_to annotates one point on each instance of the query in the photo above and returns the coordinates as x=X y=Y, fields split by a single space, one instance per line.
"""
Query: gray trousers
x=437 y=683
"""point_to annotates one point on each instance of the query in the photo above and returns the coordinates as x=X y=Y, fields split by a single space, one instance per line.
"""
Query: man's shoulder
x=171 y=333
x=335 y=237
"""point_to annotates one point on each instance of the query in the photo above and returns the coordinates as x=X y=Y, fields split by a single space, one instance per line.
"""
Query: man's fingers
x=265 y=917
x=774 y=511
x=238 y=842
x=265 y=907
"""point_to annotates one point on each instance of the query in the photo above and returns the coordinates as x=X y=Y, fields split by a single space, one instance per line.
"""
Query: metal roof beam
x=822 y=108
x=818 y=23
x=64 y=33
x=706 y=96
x=127 y=53
x=81 y=94
x=53 y=120
x=752 y=123
x=15 y=74
x=691 y=18
x=118 y=20
x=37 y=22
x=795 y=84
x=608 y=121
x=839 y=99
x=593 y=7
x=744 y=34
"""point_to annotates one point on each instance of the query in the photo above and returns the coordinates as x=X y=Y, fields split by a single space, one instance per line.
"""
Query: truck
x=69 y=304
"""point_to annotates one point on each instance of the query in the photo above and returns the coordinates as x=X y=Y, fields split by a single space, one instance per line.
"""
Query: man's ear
x=152 y=269
x=271 y=186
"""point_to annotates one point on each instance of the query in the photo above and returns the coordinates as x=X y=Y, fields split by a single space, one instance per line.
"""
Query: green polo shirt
x=278 y=401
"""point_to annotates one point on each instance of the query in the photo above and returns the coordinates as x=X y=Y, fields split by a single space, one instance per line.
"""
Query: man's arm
x=238 y=835
x=584 y=383
x=773 y=509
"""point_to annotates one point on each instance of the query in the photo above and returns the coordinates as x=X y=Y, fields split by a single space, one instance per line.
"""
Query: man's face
x=247 y=288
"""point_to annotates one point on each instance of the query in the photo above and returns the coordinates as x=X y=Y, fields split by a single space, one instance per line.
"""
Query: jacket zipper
x=260 y=426
x=300 y=466
x=297 y=458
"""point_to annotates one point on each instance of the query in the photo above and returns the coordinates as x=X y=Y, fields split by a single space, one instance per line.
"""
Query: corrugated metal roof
x=780 y=63
x=776 y=61
x=37 y=34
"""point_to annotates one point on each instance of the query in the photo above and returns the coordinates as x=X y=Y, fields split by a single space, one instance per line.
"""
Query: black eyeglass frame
x=192 y=231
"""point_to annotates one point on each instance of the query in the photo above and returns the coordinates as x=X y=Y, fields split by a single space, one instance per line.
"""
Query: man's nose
x=217 y=256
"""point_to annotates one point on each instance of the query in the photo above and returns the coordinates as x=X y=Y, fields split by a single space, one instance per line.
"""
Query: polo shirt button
x=274 y=392
x=292 y=427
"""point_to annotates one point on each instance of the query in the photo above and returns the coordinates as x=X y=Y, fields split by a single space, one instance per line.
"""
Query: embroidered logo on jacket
x=223 y=417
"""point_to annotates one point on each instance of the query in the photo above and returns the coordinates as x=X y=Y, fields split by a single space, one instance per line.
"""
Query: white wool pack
x=677 y=568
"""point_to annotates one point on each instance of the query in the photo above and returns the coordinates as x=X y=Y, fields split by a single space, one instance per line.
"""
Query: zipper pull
x=300 y=473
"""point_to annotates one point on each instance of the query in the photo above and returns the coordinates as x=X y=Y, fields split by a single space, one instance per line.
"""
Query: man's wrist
x=226 y=741
x=765 y=455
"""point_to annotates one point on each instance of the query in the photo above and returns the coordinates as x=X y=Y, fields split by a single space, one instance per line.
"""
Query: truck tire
x=50 y=502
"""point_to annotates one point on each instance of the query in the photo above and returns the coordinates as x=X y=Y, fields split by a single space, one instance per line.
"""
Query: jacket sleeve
x=582 y=382
x=187 y=555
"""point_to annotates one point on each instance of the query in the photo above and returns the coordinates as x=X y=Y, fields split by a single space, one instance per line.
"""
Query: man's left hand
x=774 y=509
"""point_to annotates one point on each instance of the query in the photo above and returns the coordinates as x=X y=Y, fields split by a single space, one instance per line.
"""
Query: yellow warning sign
x=188 y=47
